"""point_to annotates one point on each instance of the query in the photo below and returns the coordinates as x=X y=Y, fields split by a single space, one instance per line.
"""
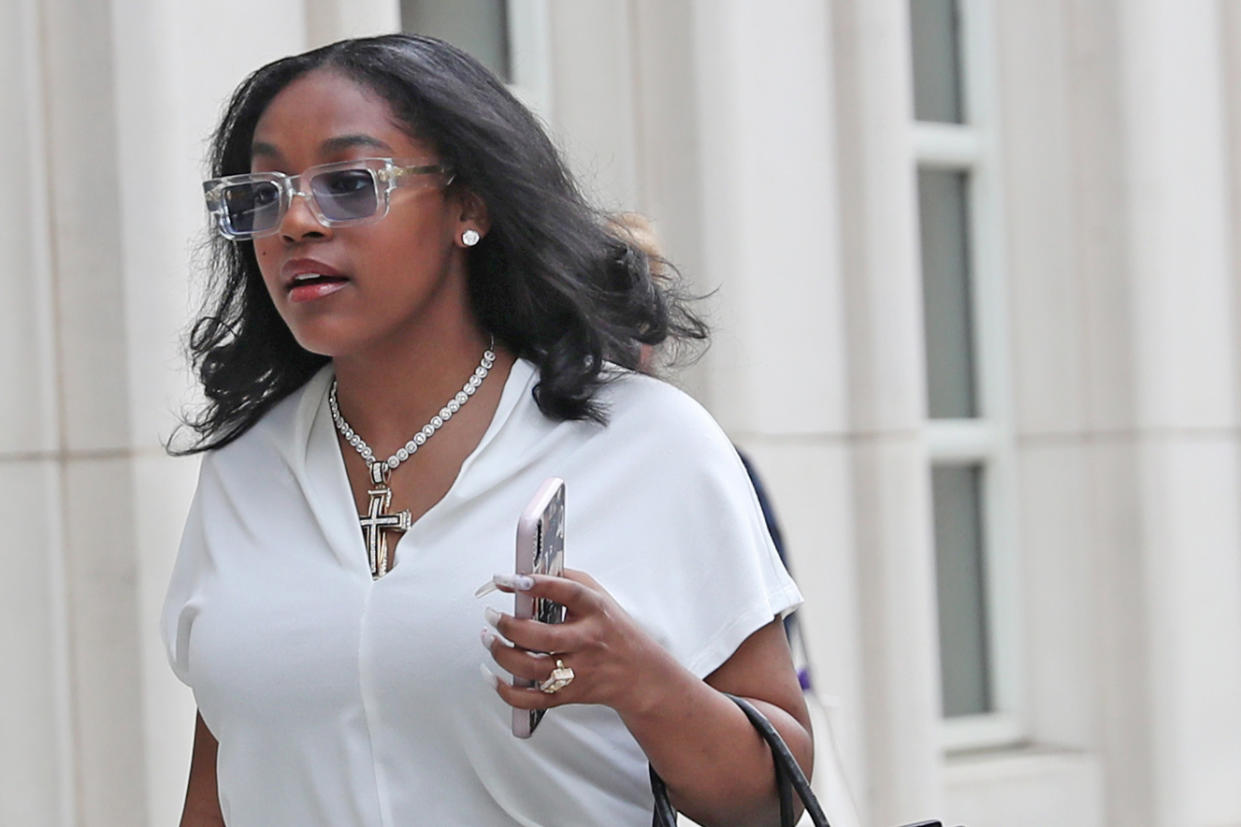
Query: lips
x=307 y=279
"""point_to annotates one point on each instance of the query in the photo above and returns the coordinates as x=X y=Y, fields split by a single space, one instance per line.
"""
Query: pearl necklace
x=375 y=523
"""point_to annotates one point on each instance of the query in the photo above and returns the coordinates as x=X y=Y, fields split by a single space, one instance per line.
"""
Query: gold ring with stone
x=560 y=677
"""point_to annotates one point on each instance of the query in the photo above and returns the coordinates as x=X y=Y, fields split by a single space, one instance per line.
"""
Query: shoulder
x=282 y=428
x=628 y=393
x=663 y=418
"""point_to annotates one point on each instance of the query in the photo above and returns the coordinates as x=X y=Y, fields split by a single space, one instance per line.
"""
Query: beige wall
x=111 y=104
x=770 y=143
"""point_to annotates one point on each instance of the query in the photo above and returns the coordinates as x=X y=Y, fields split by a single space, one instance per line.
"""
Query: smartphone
x=540 y=550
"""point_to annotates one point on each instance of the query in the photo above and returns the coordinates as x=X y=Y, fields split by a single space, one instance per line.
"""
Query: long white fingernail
x=516 y=582
x=491 y=679
x=492 y=617
x=488 y=638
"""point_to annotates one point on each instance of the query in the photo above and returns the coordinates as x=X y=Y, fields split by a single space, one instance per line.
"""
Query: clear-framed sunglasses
x=342 y=194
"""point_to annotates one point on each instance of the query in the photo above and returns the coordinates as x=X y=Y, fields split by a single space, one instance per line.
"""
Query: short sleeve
x=743 y=583
x=183 y=599
x=689 y=555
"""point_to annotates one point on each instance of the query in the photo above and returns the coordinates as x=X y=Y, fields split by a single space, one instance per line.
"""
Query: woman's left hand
x=614 y=661
x=681 y=722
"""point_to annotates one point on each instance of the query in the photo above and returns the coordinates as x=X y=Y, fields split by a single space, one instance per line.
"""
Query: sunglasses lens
x=346 y=194
x=253 y=207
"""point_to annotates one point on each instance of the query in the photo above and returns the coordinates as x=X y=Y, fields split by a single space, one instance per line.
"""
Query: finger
x=579 y=576
x=504 y=582
x=578 y=597
x=533 y=635
x=522 y=697
x=519 y=662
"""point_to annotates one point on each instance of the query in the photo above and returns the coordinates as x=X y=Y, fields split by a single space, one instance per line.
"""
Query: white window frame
x=530 y=55
x=987 y=440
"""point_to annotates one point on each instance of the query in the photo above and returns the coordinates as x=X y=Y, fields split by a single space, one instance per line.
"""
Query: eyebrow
x=337 y=144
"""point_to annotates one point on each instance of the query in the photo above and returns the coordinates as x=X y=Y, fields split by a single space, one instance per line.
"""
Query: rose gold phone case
x=540 y=550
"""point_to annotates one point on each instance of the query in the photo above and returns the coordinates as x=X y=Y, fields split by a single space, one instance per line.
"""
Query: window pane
x=943 y=217
x=935 y=39
x=479 y=27
x=960 y=576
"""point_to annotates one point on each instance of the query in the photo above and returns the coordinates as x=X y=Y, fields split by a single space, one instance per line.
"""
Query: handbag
x=789 y=779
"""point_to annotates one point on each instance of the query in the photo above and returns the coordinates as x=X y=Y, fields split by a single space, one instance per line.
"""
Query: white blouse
x=340 y=700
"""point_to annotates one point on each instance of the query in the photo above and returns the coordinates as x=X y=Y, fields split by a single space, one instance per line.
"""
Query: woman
x=397 y=231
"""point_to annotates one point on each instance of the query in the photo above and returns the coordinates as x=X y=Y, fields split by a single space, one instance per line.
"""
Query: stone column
x=99 y=587
x=113 y=101
x=37 y=777
x=1184 y=455
x=886 y=386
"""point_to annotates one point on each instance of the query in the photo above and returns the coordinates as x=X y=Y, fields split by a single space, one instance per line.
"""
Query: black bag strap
x=789 y=777
x=665 y=815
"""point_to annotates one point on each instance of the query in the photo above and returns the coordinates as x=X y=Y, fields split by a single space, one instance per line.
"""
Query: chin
x=321 y=341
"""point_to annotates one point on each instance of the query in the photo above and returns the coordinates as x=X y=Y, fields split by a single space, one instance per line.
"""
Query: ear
x=473 y=215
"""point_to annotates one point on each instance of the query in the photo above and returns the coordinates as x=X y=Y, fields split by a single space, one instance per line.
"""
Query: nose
x=299 y=221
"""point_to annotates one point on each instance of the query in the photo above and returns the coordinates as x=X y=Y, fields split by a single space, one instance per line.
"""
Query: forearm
x=201 y=816
x=202 y=797
x=717 y=768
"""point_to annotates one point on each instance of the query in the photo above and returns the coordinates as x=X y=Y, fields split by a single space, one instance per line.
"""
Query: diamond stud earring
x=470 y=237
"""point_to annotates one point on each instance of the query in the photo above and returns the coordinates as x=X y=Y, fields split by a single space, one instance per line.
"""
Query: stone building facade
x=1057 y=563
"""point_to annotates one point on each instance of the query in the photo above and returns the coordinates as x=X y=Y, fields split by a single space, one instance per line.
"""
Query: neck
x=387 y=399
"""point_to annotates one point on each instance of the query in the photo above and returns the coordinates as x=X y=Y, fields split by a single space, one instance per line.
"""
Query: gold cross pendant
x=376 y=524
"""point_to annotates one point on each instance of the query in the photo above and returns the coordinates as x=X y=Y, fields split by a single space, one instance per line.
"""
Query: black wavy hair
x=554 y=279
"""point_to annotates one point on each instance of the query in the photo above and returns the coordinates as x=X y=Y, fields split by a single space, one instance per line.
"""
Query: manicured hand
x=614 y=661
